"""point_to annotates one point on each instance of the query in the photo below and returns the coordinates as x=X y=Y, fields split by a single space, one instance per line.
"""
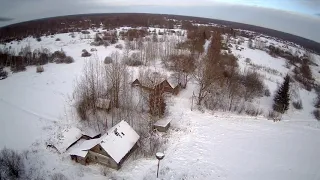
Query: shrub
x=58 y=176
x=248 y=60
x=58 y=39
x=85 y=53
x=59 y=54
x=11 y=164
x=119 y=46
x=38 y=39
x=106 y=44
x=40 y=69
x=108 y=60
x=253 y=111
x=134 y=60
x=3 y=74
x=93 y=49
x=275 y=116
x=297 y=104
x=316 y=114
x=85 y=32
x=68 y=60
x=267 y=92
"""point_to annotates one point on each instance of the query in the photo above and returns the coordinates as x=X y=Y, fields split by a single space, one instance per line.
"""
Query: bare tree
x=115 y=73
x=11 y=164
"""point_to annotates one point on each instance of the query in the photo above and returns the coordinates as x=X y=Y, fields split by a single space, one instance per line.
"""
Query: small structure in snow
x=136 y=83
x=162 y=125
x=111 y=150
x=103 y=104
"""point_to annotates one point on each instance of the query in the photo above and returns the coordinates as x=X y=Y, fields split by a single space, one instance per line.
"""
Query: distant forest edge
x=76 y=23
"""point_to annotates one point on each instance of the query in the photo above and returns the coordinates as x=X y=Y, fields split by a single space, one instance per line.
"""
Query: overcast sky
x=299 y=17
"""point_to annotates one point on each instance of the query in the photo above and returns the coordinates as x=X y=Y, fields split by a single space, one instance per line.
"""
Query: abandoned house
x=111 y=149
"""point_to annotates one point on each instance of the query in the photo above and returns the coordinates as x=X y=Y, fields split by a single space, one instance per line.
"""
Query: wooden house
x=164 y=86
x=111 y=150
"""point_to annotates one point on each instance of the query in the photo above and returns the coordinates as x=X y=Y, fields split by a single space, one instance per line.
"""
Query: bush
x=119 y=46
x=58 y=176
x=38 y=39
x=68 y=60
x=297 y=104
x=85 y=53
x=93 y=49
x=11 y=164
x=316 y=114
x=253 y=111
x=85 y=32
x=59 y=54
x=3 y=74
x=58 y=39
x=108 y=60
x=267 y=92
x=134 y=60
x=40 y=69
x=275 y=116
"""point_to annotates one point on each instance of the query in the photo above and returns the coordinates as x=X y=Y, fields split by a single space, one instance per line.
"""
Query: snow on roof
x=103 y=103
x=82 y=148
x=119 y=140
x=67 y=138
x=162 y=122
x=91 y=133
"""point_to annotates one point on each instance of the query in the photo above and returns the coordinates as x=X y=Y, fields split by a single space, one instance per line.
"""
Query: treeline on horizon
x=77 y=23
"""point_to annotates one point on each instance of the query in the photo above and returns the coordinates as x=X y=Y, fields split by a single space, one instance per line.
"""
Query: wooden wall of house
x=102 y=159
x=81 y=160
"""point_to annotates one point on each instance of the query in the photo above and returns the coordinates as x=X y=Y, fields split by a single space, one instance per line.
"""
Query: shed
x=162 y=125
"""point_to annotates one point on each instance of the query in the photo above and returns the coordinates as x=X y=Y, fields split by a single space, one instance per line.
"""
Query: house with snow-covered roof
x=111 y=149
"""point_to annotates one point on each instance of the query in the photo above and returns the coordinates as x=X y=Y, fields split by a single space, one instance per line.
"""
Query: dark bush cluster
x=11 y=165
x=85 y=53
x=108 y=60
x=297 y=104
x=3 y=73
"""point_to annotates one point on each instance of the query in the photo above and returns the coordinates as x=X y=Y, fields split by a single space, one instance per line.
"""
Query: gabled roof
x=67 y=138
x=82 y=148
x=119 y=140
x=136 y=82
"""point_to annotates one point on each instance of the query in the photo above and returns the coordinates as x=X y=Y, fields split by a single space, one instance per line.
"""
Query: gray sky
x=297 y=17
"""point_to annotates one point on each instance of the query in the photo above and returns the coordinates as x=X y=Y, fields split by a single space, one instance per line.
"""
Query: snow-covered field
x=202 y=145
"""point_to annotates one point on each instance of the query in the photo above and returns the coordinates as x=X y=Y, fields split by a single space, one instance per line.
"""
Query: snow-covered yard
x=202 y=145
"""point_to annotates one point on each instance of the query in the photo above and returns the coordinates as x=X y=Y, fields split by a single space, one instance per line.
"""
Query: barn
x=111 y=150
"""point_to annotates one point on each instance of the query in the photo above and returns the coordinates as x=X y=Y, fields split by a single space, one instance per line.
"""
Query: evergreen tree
x=281 y=99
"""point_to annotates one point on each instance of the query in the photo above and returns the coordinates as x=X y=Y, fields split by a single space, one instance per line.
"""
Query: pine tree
x=281 y=99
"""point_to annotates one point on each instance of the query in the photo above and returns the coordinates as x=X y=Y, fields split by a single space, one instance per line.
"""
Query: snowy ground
x=201 y=145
